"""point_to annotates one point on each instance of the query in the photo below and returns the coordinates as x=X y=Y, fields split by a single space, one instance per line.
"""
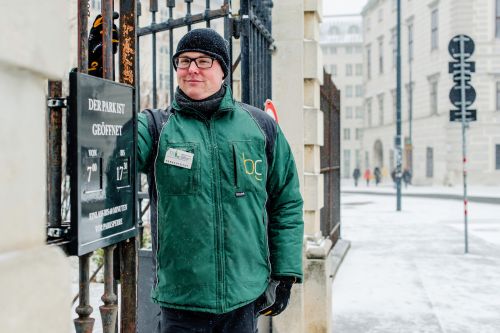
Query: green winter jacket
x=230 y=221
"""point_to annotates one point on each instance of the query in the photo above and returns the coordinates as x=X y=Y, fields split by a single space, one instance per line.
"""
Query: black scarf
x=206 y=106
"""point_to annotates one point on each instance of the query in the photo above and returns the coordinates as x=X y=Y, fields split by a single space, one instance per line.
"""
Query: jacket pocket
x=180 y=180
x=249 y=168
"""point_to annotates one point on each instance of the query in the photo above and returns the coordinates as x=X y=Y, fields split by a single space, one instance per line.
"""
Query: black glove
x=275 y=299
x=95 y=45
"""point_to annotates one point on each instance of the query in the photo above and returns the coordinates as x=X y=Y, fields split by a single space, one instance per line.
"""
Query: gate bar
x=128 y=248
x=109 y=310
x=84 y=323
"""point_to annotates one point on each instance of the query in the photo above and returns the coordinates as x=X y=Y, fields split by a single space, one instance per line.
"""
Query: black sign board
x=101 y=153
x=455 y=50
x=456 y=95
x=456 y=115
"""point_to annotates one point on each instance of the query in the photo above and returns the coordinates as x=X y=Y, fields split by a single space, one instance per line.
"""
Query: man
x=227 y=211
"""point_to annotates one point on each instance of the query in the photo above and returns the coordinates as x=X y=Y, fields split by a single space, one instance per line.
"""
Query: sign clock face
x=101 y=152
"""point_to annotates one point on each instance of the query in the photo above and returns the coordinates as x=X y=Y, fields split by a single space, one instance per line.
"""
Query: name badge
x=179 y=158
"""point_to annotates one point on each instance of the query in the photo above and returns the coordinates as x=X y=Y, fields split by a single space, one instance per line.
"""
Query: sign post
x=102 y=163
x=462 y=95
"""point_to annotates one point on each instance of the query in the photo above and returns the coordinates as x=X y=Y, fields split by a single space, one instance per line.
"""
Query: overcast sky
x=340 y=7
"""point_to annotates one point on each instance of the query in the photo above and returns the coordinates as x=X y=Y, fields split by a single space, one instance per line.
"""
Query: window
x=359 y=69
x=358 y=158
x=334 y=30
x=333 y=49
x=368 y=24
x=391 y=159
x=498 y=96
x=358 y=134
x=497 y=19
x=380 y=109
x=380 y=14
x=353 y=29
x=434 y=29
x=410 y=42
x=348 y=69
x=429 y=162
x=434 y=97
x=348 y=112
x=394 y=45
x=333 y=70
x=348 y=91
x=347 y=163
x=369 y=113
x=409 y=88
x=368 y=62
x=359 y=112
x=347 y=134
x=381 y=55
x=359 y=90
x=394 y=104
x=497 y=157
x=357 y=49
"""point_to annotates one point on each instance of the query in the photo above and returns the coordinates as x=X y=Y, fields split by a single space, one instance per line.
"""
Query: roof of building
x=341 y=29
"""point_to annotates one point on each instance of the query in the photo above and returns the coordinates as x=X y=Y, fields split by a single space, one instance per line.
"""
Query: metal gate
x=156 y=45
x=145 y=52
x=330 y=159
x=157 y=41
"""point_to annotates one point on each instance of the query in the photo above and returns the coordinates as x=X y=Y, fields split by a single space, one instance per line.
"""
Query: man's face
x=199 y=83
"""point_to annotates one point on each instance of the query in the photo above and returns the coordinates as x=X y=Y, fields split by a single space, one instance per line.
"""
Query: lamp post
x=397 y=140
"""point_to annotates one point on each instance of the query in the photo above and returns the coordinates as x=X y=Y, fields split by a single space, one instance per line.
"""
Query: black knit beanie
x=208 y=41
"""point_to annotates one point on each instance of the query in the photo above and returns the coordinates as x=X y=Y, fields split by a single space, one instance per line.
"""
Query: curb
x=471 y=198
x=337 y=255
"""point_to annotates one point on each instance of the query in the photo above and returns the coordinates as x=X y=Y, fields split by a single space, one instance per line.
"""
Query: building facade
x=432 y=144
x=342 y=47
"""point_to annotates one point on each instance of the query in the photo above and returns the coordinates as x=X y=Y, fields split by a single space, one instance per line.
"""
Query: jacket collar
x=225 y=106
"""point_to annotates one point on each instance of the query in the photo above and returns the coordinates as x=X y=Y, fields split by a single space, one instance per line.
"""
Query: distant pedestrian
x=356 y=174
x=367 y=176
x=377 y=174
x=407 y=177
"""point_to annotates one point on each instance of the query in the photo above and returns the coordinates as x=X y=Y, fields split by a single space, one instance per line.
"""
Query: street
x=407 y=272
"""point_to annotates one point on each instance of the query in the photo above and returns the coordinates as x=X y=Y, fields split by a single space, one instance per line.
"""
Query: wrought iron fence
x=330 y=159
x=147 y=67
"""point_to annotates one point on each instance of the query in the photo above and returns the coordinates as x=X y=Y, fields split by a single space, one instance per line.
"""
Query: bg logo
x=253 y=168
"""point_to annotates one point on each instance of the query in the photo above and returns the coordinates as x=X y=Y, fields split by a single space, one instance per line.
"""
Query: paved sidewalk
x=484 y=194
x=407 y=272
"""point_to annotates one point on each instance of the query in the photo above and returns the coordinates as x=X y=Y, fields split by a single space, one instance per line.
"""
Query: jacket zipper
x=219 y=239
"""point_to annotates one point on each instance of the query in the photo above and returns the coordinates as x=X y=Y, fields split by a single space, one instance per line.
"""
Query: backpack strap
x=268 y=127
x=157 y=118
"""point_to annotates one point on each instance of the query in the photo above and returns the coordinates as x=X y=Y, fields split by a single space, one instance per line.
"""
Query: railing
x=330 y=159
x=153 y=80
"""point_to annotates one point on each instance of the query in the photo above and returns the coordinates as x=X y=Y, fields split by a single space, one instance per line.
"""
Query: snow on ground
x=407 y=272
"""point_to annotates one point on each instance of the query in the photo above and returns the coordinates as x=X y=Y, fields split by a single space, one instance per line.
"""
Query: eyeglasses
x=201 y=62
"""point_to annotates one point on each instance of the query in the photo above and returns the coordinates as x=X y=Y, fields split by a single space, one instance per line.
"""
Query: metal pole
x=464 y=143
x=54 y=158
x=84 y=323
x=398 y=111
x=153 y=8
x=109 y=310
x=128 y=249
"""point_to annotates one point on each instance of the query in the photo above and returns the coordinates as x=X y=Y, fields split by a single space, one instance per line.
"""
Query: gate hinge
x=57 y=102
x=57 y=232
x=236 y=26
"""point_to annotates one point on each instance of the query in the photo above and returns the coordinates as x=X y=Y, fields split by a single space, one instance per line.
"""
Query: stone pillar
x=288 y=96
x=297 y=77
x=317 y=267
x=35 y=278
